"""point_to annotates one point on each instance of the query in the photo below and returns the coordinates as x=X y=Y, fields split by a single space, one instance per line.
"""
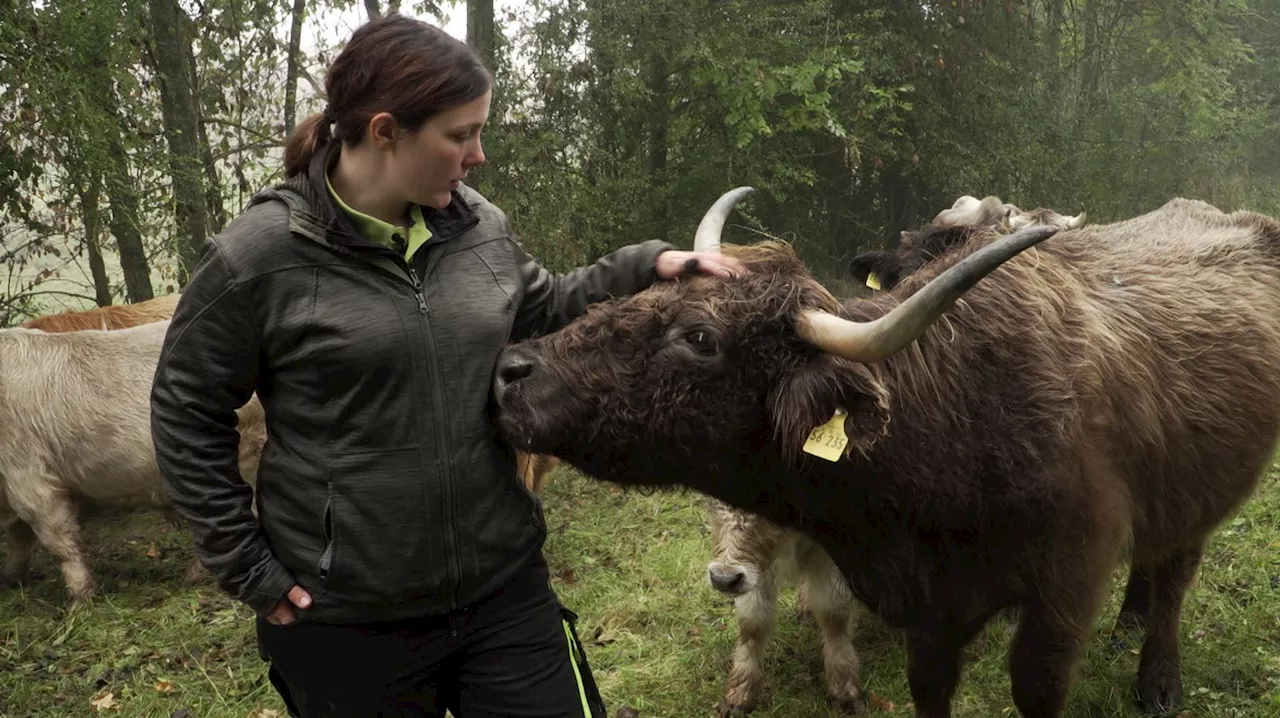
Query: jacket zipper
x=444 y=462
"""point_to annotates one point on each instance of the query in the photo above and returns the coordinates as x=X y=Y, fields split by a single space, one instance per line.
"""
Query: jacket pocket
x=379 y=544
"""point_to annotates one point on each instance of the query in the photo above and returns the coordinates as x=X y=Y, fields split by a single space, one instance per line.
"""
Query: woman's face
x=430 y=162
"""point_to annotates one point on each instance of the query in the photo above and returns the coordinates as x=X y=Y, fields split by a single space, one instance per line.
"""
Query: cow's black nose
x=513 y=365
x=727 y=580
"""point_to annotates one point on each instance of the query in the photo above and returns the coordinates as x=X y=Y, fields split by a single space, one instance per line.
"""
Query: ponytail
x=310 y=135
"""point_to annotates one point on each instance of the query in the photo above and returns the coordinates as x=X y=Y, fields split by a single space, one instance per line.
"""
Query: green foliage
x=615 y=122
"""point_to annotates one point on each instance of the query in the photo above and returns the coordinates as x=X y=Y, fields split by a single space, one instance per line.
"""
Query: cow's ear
x=810 y=397
x=878 y=270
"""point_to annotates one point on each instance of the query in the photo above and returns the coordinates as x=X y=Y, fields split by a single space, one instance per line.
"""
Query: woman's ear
x=384 y=130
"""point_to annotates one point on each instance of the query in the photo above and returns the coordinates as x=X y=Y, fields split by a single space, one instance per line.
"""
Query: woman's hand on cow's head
x=673 y=262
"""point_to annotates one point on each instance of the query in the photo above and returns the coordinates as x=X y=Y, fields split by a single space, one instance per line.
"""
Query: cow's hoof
x=725 y=709
x=852 y=706
x=195 y=573
x=1159 y=690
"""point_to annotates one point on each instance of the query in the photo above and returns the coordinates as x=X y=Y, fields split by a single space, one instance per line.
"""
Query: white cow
x=75 y=428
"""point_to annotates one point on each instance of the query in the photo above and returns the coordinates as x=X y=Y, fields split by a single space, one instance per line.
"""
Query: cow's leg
x=1137 y=599
x=51 y=514
x=833 y=610
x=933 y=669
x=757 y=613
x=1052 y=629
x=804 y=613
x=1160 y=666
x=22 y=540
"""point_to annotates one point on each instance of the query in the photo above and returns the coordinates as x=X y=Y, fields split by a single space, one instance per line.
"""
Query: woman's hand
x=673 y=262
x=282 y=614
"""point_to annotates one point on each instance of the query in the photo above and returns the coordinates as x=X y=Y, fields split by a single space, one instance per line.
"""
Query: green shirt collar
x=402 y=239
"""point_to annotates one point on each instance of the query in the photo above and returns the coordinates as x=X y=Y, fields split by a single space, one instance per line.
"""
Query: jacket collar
x=453 y=220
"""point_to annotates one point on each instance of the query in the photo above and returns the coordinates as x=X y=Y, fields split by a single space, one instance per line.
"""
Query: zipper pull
x=418 y=291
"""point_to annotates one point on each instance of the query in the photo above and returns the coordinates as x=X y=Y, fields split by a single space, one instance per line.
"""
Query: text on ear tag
x=828 y=441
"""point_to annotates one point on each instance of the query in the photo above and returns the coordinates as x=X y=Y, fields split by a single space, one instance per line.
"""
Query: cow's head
x=718 y=372
x=744 y=548
x=882 y=269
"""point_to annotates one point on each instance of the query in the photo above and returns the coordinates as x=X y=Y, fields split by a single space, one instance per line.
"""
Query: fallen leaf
x=883 y=704
x=264 y=713
x=165 y=686
x=104 y=702
x=627 y=712
x=152 y=552
x=568 y=576
x=603 y=638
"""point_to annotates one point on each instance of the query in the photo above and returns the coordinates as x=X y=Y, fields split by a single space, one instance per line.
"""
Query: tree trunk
x=217 y=211
x=371 y=7
x=92 y=230
x=480 y=30
x=174 y=65
x=656 y=152
x=291 y=71
x=124 y=226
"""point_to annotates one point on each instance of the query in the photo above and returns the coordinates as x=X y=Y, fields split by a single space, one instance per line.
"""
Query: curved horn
x=707 y=238
x=882 y=338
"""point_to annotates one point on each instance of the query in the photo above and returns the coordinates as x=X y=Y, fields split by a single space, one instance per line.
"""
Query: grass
x=658 y=638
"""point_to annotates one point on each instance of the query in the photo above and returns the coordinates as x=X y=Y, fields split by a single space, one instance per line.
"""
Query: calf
x=750 y=556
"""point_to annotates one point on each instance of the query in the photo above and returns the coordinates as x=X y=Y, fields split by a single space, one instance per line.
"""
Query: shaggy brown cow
x=750 y=557
x=883 y=270
x=1114 y=390
x=118 y=316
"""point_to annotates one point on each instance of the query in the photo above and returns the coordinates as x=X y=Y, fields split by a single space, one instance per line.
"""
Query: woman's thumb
x=299 y=597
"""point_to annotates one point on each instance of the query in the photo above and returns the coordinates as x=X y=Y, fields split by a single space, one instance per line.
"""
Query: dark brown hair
x=392 y=64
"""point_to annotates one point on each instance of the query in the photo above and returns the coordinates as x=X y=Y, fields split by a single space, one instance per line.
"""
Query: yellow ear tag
x=872 y=280
x=828 y=441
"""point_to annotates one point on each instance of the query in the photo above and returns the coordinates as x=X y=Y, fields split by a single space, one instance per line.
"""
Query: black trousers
x=513 y=655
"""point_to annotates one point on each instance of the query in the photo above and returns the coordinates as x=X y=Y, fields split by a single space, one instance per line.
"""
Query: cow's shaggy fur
x=1114 y=390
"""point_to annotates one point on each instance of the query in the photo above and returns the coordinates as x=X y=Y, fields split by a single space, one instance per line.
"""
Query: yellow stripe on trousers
x=582 y=691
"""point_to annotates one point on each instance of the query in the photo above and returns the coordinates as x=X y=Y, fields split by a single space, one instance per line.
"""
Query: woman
x=395 y=563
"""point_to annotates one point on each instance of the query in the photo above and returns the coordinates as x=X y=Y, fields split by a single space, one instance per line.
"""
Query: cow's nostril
x=512 y=367
x=728 y=581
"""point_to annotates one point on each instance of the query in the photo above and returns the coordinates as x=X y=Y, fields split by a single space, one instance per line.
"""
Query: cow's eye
x=702 y=341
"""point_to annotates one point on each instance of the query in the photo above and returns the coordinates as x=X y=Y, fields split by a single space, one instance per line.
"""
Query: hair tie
x=328 y=115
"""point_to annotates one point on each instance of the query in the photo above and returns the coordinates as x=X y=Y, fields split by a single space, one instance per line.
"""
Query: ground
x=658 y=638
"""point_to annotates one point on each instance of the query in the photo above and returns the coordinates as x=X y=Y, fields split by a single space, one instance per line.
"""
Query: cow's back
x=1186 y=306
x=1128 y=372
x=78 y=404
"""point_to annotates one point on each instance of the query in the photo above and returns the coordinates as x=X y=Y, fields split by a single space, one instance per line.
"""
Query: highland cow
x=75 y=429
x=998 y=442
x=882 y=270
x=116 y=316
